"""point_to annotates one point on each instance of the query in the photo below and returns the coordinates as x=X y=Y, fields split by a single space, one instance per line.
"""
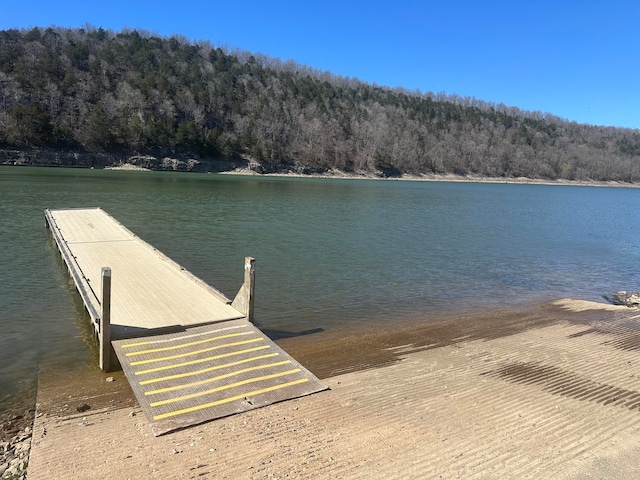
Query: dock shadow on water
x=282 y=334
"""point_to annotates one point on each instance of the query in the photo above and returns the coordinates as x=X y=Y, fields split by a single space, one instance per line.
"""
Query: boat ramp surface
x=190 y=354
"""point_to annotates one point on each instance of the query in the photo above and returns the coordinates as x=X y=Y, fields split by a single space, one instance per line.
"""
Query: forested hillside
x=91 y=90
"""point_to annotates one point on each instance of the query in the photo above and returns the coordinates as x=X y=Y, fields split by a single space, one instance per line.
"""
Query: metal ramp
x=207 y=372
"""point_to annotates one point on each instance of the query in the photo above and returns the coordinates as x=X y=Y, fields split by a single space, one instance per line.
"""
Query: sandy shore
x=128 y=166
x=550 y=392
x=435 y=178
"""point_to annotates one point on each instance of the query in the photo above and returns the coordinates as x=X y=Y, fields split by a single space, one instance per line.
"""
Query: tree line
x=130 y=92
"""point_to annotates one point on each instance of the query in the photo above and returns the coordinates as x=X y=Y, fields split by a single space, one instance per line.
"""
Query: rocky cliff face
x=61 y=158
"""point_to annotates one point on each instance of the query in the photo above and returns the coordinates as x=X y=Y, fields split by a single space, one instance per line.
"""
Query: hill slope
x=91 y=90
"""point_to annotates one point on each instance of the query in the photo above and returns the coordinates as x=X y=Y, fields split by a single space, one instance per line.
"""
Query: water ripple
x=328 y=252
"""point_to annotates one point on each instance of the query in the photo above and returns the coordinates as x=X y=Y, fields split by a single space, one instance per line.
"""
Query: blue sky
x=579 y=60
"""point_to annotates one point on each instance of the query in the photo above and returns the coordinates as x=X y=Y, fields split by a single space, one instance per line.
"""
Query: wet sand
x=548 y=392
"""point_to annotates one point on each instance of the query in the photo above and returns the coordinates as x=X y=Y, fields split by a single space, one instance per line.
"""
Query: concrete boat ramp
x=190 y=353
x=550 y=392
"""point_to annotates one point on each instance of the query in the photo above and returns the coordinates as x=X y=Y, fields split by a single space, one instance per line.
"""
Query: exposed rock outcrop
x=63 y=158
x=624 y=298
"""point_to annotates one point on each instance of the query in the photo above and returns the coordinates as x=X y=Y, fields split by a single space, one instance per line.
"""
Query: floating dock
x=189 y=353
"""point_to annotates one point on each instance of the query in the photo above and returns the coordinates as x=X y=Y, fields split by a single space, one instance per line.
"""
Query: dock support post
x=104 y=336
x=245 y=299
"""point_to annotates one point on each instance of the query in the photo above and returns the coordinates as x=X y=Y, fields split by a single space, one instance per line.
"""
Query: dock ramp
x=190 y=354
x=202 y=373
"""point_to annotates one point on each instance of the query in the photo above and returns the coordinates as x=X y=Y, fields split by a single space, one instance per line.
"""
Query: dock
x=190 y=353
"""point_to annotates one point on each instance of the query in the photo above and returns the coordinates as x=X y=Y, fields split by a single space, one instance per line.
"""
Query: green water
x=329 y=253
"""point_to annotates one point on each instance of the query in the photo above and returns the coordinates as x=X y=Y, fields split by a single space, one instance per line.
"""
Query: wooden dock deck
x=190 y=353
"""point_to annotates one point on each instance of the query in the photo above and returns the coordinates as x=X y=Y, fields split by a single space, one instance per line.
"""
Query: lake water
x=330 y=252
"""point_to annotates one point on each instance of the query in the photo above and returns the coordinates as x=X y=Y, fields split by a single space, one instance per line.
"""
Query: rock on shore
x=15 y=444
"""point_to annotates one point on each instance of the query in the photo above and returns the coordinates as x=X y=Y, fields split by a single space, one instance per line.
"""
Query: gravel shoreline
x=15 y=443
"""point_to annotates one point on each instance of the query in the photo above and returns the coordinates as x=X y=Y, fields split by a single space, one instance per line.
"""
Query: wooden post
x=105 y=321
x=250 y=282
x=245 y=299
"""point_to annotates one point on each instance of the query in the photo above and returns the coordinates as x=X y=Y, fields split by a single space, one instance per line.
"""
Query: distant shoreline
x=434 y=178
x=128 y=166
x=176 y=166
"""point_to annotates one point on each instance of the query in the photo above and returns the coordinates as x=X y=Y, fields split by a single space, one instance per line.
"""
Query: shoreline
x=337 y=174
x=503 y=394
x=128 y=166
x=329 y=355
x=16 y=430
x=434 y=178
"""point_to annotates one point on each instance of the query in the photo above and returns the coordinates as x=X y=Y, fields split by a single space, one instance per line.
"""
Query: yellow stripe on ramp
x=173 y=339
x=201 y=360
x=196 y=352
x=205 y=370
x=230 y=399
x=224 y=387
x=219 y=377
x=189 y=344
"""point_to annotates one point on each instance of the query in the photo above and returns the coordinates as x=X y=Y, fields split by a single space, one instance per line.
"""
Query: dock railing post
x=250 y=282
x=105 y=321
x=245 y=299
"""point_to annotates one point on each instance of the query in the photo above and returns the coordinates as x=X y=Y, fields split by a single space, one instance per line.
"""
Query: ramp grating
x=207 y=372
